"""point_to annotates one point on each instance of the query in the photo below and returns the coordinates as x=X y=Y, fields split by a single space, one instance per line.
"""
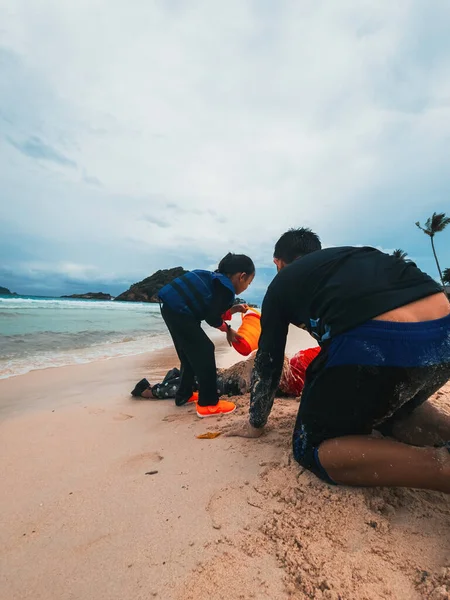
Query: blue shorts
x=369 y=378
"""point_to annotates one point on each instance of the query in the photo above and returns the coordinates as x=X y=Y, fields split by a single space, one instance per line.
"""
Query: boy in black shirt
x=384 y=329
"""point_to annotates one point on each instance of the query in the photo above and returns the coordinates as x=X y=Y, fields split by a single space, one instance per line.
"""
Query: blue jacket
x=193 y=293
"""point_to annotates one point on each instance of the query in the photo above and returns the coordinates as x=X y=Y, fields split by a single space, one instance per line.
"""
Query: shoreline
x=123 y=347
x=87 y=361
x=63 y=385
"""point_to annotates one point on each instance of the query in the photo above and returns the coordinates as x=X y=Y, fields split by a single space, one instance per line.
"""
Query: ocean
x=36 y=332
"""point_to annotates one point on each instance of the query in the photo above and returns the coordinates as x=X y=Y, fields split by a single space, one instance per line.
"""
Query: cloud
x=91 y=180
x=226 y=123
x=156 y=221
x=35 y=278
x=36 y=148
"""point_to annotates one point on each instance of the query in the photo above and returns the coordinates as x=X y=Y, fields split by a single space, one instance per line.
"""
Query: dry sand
x=218 y=519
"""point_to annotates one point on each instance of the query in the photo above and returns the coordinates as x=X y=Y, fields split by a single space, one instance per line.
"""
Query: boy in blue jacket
x=204 y=296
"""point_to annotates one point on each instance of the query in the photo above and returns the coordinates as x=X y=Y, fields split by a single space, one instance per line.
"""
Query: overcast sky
x=145 y=134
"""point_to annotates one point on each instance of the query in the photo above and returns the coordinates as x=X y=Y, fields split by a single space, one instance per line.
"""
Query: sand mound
x=353 y=544
x=241 y=372
x=343 y=543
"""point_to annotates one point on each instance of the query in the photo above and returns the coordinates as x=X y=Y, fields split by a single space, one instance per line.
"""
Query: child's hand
x=232 y=336
x=239 y=308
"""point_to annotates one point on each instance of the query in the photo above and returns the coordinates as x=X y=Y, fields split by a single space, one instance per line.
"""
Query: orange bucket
x=249 y=332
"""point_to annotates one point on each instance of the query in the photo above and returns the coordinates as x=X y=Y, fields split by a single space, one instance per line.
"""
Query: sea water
x=36 y=332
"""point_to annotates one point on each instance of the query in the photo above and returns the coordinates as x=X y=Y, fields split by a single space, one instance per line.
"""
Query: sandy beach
x=104 y=497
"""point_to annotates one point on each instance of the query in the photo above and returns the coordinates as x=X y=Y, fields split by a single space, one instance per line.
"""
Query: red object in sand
x=293 y=381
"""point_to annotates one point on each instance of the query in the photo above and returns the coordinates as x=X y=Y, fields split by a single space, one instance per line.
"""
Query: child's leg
x=339 y=408
x=419 y=422
x=187 y=380
x=367 y=461
x=166 y=389
x=201 y=356
x=196 y=353
x=179 y=327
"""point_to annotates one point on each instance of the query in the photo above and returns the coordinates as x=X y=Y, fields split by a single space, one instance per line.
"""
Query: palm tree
x=434 y=224
x=446 y=276
x=399 y=253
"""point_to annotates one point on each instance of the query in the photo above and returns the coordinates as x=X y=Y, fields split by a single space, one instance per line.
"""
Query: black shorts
x=369 y=378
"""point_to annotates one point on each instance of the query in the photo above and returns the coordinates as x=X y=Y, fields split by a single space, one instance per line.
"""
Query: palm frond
x=434 y=224
x=446 y=276
x=438 y=222
x=399 y=253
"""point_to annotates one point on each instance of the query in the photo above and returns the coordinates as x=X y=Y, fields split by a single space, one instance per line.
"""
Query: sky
x=147 y=134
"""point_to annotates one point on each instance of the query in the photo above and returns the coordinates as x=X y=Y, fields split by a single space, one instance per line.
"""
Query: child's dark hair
x=295 y=243
x=236 y=263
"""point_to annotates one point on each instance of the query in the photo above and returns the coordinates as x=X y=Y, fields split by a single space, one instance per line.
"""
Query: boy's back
x=344 y=287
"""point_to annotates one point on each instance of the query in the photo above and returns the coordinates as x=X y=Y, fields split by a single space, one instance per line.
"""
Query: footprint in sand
x=181 y=416
x=143 y=460
x=88 y=545
x=122 y=417
x=221 y=506
x=117 y=417
x=95 y=411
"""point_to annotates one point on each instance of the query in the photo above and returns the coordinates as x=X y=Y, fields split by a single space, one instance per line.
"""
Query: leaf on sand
x=209 y=435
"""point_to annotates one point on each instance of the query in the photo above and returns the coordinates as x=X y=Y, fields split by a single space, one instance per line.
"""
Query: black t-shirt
x=328 y=292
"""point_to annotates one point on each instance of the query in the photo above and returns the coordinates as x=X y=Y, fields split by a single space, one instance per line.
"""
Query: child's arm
x=267 y=368
x=218 y=313
x=269 y=360
x=227 y=316
x=242 y=308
